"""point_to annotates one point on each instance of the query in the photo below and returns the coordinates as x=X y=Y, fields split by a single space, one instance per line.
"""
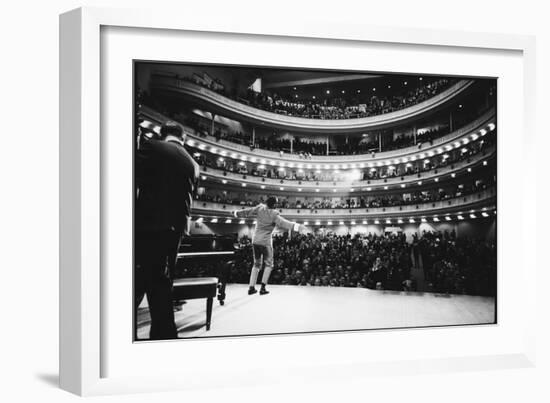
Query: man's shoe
x=263 y=291
x=252 y=290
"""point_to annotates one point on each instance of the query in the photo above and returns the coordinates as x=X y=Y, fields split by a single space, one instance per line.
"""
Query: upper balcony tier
x=217 y=103
x=470 y=132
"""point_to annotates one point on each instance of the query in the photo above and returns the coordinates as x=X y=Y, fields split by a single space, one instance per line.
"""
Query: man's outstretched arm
x=247 y=212
x=289 y=225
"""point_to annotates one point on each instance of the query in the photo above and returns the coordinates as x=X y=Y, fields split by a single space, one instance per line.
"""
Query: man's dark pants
x=156 y=253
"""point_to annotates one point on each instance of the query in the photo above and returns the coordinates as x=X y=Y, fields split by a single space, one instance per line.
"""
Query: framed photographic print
x=392 y=177
x=228 y=189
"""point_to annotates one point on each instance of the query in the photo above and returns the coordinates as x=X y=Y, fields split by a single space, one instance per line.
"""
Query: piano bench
x=197 y=287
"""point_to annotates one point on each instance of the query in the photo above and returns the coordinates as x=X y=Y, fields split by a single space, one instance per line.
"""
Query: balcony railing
x=244 y=152
x=244 y=112
x=456 y=205
x=255 y=182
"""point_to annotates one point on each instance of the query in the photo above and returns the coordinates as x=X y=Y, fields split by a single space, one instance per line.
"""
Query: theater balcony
x=212 y=177
x=220 y=104
x=470 y=132
x=472 y=206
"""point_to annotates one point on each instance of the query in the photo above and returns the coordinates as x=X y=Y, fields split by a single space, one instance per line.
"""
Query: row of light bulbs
x=435 y=219
x=421 y=156
x=317 y=190
x=358 y=90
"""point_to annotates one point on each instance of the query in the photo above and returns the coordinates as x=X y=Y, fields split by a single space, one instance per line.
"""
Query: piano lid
x=203 y=245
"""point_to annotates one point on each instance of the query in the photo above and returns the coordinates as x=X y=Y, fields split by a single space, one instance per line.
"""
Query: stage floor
x=291 y=309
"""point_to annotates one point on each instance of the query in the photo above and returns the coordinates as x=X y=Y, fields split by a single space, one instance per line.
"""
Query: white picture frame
x=83 y=306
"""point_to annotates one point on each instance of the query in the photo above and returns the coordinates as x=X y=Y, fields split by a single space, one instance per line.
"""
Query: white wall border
x=80 y=184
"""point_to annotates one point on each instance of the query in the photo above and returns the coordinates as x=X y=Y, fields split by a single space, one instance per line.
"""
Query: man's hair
x=171 y=128
x=271 y=201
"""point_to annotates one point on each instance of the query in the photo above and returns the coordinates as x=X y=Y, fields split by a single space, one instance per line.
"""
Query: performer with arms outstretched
x=267 y=219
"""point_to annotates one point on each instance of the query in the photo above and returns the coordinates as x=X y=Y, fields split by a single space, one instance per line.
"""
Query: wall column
x=253 y=135
x=380 y=142
x=328 y=146
x=291 y=144
x=450 y=121
x=414 y=134
x=212 y=124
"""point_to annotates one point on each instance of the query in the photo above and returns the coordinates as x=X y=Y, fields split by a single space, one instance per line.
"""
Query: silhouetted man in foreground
x=166 y=180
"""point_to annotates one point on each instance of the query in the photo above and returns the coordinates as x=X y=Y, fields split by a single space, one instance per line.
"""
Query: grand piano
x=210 y=258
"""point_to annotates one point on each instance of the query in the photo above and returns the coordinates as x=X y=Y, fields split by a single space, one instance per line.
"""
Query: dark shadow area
x=192 y=327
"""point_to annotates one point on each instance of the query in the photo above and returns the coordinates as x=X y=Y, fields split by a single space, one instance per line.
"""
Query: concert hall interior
x=380 y=190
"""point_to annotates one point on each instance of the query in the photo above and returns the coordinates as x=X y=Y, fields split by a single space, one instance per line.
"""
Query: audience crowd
x=331 y=107
x=306 y=148
x=450 y=264
x=408 y=197
x=420 y=166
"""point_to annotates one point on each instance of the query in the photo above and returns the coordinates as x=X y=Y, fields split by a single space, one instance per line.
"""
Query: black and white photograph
x=273 y=200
